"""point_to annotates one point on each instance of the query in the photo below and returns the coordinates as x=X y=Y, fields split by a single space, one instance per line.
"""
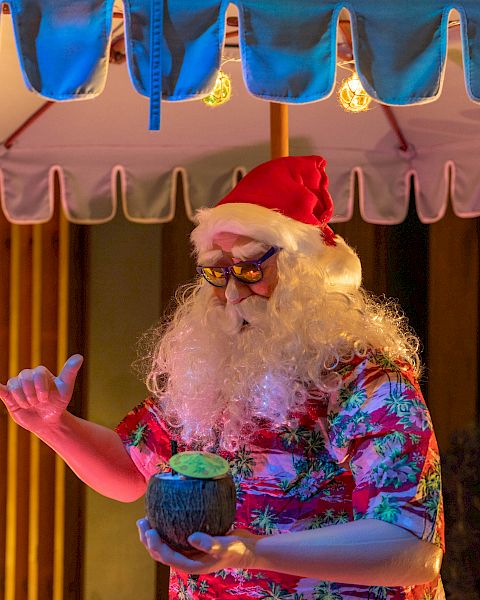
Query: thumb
x=4 y=393
x=70 y=369
x=204 y=542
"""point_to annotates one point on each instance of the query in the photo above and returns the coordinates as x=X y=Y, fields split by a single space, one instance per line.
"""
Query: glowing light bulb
x=352 y=96
x=221 y=92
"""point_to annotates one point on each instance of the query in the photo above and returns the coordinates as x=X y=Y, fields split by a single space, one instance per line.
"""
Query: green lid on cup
x=201 y=465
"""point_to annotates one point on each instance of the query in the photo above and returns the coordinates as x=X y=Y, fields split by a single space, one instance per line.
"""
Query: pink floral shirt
x=366 y=452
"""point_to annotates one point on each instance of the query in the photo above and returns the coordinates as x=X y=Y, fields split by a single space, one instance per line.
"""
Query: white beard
x=221 y=367
x=217 y=357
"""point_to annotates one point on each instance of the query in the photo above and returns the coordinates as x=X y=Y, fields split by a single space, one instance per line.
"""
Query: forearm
x=365 y=552
x=97 y=456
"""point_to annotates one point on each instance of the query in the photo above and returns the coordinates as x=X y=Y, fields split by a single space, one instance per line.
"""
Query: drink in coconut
x=198 y=495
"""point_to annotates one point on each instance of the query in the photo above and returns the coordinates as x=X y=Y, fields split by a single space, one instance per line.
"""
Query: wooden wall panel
x=4 y=344
x=72 y=586
x=177 y=264
x=370 y=243
x=48 y=358
x=18 y=453
x=453 y=325
x=33 y=330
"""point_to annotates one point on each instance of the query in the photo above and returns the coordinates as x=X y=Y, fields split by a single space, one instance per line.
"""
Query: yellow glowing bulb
x=221 y=92
x=352 y=96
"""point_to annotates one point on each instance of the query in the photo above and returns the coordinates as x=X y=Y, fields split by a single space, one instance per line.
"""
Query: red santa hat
x=285 y=203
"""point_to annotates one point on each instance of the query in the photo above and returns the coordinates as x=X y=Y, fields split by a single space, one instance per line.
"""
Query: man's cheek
x=219 y=293
x=263 y=289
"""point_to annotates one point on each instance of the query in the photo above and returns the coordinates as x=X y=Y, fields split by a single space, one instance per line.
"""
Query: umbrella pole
x=278 y=130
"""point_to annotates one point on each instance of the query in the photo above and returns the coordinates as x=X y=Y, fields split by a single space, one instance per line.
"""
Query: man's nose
x=236 y=291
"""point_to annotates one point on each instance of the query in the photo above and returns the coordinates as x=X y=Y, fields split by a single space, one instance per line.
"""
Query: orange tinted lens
x=214 y=276
x=247 y=273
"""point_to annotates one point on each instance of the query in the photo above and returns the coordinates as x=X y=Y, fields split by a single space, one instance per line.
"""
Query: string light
x=352 y=95
x=221 y=92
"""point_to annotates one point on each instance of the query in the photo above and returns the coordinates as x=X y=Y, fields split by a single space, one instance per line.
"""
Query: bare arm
x=37 y=401
x=364 y=552
x=97 y=456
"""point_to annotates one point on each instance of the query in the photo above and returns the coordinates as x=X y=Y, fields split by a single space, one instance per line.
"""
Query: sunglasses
x=246 y=272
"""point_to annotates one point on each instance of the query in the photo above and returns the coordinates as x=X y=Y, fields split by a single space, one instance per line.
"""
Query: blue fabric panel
x=399 y=48
x=193 y=38
x=289 y=52
x=289 y=48
x=471 y=47
x=62 y=45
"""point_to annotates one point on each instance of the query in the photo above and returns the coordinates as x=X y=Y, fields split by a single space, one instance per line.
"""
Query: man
x=276 y=359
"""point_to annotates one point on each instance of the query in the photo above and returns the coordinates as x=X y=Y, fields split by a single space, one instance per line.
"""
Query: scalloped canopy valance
x=288 y=47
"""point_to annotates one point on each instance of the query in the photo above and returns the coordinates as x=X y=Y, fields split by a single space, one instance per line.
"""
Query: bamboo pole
x=36 y=357
x=12 y=463
x=16 y=559
x=278 y=130
x=62 y=350
x=5 y=231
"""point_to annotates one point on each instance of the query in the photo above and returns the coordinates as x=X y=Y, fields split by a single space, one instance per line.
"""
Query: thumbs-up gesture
x=36 y=399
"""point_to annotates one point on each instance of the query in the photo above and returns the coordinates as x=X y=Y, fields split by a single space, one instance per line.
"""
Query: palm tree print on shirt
x=389 y=443
x=352 y=397
x=139 y=435
x=378 y=592
x=242 y=464
x=265 y=521
x=410 y=411
x=430 y=487
x=326 y=591
x=328 y=517
x=292 y=436
x=388 y=509
x=275 y=592
x=314 y=443
x=183 y=593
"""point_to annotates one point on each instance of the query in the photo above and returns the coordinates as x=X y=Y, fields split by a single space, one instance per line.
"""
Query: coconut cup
x=177 y=505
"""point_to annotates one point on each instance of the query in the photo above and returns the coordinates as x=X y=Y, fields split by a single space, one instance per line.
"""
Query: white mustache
x=232 y=317
x=253 y=309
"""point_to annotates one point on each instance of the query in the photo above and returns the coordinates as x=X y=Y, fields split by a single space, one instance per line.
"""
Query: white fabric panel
x=25 y=189
x=466 y=182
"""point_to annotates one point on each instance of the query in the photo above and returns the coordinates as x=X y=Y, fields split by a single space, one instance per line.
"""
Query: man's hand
x=235 y=550
x=36 y=399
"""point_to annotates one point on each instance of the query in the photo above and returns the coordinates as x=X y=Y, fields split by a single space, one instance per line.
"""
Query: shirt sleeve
x=146 y=438
x=379 y=426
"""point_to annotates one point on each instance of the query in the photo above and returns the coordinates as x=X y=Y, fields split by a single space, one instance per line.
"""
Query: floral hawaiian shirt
x=365 y=452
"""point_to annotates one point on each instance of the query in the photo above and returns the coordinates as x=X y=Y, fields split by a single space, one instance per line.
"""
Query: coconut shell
x=177 y=507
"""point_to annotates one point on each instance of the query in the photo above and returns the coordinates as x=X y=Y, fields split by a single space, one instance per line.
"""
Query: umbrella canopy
x=101 y=147
x=288 y=47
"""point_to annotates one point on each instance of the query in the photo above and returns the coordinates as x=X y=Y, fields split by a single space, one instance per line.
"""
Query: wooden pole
x=278 y=130
x=62 y=354
x=18 y=445
x=36 y=353
x=12 y=450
